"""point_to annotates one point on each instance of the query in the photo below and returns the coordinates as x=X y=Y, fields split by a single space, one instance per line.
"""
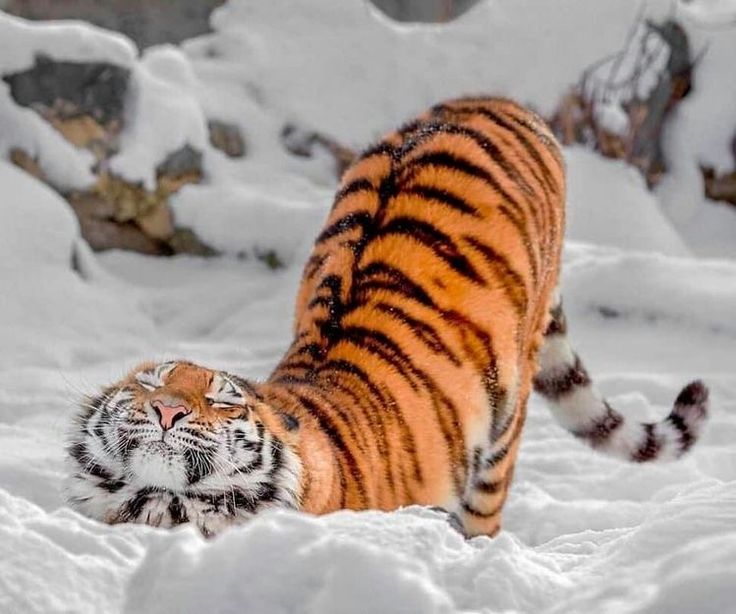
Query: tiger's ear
x=291 y=423
x=277 y=421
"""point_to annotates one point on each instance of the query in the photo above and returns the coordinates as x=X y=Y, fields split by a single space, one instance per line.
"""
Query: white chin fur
x=156 y=464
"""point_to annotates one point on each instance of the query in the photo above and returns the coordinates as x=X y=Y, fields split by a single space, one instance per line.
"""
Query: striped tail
x=578 y=407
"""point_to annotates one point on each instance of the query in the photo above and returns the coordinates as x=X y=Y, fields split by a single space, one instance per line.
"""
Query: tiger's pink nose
x=169 y=415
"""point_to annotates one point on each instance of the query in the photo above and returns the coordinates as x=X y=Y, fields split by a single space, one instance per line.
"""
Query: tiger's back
x=422 y=308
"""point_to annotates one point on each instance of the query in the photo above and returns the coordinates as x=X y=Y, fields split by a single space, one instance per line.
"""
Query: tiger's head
x=175 y=442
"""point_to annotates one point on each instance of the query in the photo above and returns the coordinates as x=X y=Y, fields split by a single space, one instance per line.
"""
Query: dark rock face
x=182 y=162
x=147 y=22
x=619 y=78
x=303 y=142
x=96 y=89
x=227 y=138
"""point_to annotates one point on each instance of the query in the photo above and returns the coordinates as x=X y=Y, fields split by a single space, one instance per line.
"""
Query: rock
x=96 y=89
x=185 y=161
x=184 y=241
x=158 y=223
x=302 y=143
x=720 y=187
x=106 y=234
x=86 y=132
x=84 y=102
x=227 y=138
x=270 y=258
x=91 y=205
x=22 y=160
x=621 y=104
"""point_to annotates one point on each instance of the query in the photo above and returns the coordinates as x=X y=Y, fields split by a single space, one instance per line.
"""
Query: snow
x=66 y=166
x=623 y=214
x=70 y=41
x=161 y=116
x=582 y=533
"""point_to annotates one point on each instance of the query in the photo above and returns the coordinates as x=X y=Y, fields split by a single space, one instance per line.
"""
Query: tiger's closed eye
x=147 y=381
x=151 y=379
x=219 y=404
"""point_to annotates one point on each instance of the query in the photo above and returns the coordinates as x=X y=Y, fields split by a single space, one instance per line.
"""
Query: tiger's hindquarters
x=577 y=406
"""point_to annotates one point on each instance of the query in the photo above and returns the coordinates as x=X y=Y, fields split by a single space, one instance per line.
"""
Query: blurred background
x=160 y=21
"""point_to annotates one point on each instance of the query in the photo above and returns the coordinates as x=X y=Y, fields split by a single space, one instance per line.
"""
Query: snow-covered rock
x=49 y=315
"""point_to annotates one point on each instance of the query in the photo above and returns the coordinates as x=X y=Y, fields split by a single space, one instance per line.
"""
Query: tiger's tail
x=578 y=407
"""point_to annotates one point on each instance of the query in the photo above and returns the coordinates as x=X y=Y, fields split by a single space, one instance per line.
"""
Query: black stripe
x=555 y=384
x=345 y=417
x=277 y=457
x=328 y=427
x=489 y=488
x=379 y=149
x=356 y=219
x=380 y=344
x=237 y=500
x=379 y=400
x=314 y=350
x=602 y=428
x=650 y=447
x=686 y=438
x=496 y=118
x=695 y=393
x=107 y=482
x=441 y=196
x=469 y=509
x=133 y=507
x=356 y=185
x=314 y=264
x=449 y=161
x=423 y=331
x=198 y=464
x=375 y=398
x=330 y=327
x=244 y=384
x=430 y=236
x=558 y=322
x=552 y=145
x=297 y=364
x=500 y=454
x=385 y=276
x=512 y=283
x=177 y=512
x=517 y=221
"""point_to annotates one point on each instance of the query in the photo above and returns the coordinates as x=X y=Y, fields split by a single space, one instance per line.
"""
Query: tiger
x=427 y=313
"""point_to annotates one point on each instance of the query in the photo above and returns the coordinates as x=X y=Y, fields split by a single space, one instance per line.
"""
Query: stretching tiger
x=426 y=313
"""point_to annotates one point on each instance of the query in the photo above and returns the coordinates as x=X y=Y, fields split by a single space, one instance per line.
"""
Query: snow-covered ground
x=582 y=533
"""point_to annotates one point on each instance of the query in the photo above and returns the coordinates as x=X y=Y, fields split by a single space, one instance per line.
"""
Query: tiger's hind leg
x=491 y=475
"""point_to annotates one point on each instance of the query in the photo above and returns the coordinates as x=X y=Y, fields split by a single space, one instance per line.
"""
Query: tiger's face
x=174 y=443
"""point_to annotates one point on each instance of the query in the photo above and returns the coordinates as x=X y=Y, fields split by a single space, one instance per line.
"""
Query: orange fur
x=418 y=322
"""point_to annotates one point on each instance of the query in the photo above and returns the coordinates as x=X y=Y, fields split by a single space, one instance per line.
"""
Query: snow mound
x=23 y=41
x=608 y=204
x=49 y=315
x=236 y=218
x=37 y=227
